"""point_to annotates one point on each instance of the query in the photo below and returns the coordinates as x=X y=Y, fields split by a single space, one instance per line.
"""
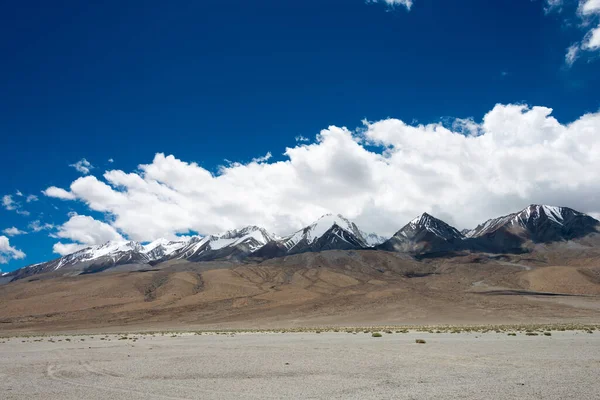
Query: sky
x=140 y=120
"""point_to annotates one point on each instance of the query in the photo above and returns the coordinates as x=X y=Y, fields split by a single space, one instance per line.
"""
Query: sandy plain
x=328 y=365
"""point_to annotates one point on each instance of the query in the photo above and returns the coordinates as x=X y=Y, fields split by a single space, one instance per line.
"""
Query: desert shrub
x=376 y=334
x=512 y=334
x=547 y=333
x=420 y=341
x=531 y=334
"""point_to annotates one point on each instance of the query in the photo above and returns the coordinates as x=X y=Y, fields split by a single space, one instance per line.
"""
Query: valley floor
x=302 y=365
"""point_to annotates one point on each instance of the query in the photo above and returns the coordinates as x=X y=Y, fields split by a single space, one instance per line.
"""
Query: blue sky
x=218 y=83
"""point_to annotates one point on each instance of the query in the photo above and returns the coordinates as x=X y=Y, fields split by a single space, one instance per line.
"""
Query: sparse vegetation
x=376 y=334
x=420 y=341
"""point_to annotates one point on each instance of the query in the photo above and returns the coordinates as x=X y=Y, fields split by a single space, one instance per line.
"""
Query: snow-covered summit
x=163 y=247
x=247 y=240
x=530 y=217
x=373 y=239
x=429 y=223
x=320 y=227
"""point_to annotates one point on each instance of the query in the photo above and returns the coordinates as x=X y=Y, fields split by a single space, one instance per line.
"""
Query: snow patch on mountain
x=373 y=239
x=528 y=216
x=253 y=237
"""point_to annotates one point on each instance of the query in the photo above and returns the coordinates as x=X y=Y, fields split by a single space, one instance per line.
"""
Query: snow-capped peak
x=429 y=223
x=235 y=236
x=323 y=224
x=114 y=247
x=317 y=229
x=163 y=247
x=373 y=239
x=530 y=216
x=535 y=211
x=252 y=237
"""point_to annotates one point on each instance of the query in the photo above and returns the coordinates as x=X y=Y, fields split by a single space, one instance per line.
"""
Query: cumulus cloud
x=84 y=231
x=381 y=175
x=7 y=252
x=31 y=198
x=13 y=231
x=58 y=193
x=83 y=166
x=67 y=248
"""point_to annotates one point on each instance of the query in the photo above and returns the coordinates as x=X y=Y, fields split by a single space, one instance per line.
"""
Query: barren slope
x=328 y=288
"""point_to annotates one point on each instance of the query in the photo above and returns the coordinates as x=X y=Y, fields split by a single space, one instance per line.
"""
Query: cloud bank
x=380 y=175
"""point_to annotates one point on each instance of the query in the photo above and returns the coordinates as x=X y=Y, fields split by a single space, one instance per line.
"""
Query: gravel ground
x=303 y=366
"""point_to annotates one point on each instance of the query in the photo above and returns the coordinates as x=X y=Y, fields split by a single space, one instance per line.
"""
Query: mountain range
x=423 y=236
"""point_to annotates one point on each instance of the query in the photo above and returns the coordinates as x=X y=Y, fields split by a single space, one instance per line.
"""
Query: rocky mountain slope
x=425 y=234
x=234 y=244
x=535 y=223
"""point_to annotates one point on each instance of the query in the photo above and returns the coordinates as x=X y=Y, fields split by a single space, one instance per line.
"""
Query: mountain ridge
x=423 y=235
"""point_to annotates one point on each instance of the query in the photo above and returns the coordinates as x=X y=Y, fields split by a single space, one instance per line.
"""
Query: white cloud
x=589 y=10
x=301 y=138
x=592 y=40
x=464 y=172
x=37 y=226
x=406 y=3
x=11 y=205
x=588 y=13
x=589 y=7
x=7 y=252
x=31 y=198
x=82 y=166
x=84 y=231
x=552 y=5
x=67 y=248
x=13 y=231
x=572 y=54
x=58 y=193
x=262 y=159
x=110 y=160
